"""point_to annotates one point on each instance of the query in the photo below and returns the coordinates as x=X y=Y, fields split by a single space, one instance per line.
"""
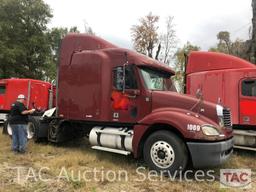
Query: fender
x=178 y=119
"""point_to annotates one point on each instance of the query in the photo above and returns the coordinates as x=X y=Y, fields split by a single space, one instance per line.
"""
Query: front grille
x=227 y=117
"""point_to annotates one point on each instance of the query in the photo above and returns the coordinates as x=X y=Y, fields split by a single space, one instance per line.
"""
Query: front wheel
x=165 y=152
x=33 y=124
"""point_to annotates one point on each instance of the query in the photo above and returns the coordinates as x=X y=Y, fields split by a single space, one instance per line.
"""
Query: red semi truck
x=229 y=81
x=125 y=103
x=39 y=94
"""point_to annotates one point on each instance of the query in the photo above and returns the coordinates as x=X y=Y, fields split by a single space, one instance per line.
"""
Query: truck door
x=247 y=101
x=129 y=104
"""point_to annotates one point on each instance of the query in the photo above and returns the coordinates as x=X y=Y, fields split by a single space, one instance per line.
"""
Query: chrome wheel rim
x=30 y=130
x=9 y=129
x=162 y=154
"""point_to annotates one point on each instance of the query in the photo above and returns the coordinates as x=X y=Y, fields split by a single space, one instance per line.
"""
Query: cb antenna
x=124 y=75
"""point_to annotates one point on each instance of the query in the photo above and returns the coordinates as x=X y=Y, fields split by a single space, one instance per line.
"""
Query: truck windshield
x=156 y=80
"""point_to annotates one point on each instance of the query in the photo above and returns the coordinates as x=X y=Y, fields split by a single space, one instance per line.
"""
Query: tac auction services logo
x=235 y=178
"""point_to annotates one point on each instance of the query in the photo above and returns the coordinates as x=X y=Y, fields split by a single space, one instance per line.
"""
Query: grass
x=61 y=166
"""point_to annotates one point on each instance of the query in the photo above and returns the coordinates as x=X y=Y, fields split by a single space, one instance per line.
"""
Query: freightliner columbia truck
x=126 y=103
x=229 y=81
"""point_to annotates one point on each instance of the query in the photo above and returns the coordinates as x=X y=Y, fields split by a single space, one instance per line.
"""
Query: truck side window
x=130 y=80
x=249 y=88
x=2 y=89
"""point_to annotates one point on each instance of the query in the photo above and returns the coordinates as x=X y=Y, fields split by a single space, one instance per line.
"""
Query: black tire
x=165 y=152
x=33 y=126
x=5 y=127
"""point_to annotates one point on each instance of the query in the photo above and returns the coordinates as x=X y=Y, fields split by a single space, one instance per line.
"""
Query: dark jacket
x=15 y=115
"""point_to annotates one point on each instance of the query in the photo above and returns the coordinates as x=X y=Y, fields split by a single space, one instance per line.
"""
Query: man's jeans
x=19 y=137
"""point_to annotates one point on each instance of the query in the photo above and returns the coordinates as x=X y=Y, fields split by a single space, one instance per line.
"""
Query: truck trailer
x=125 y=103
x=229 y=81
x=39 y=94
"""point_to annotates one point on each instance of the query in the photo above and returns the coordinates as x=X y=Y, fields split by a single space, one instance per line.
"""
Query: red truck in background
x=39 y=94
x=125 y=103
x=229 y=81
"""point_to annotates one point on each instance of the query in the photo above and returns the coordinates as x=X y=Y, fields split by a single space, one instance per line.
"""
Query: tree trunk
x=158 y=51
x=253 y=41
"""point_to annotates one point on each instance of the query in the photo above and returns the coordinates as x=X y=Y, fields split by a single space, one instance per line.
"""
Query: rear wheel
x=4 y=131
x=165 y=152
x=33 y=125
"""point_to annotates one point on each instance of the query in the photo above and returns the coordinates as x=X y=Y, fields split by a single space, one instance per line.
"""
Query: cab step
x=122 y=152
x=244 y=148
x=251 y=133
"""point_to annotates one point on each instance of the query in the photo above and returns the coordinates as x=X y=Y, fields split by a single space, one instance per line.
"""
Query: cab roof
x=200 y=61
x=5 y=81
x=74 y=42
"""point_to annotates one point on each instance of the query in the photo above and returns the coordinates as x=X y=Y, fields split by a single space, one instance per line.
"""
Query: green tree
x=55 y=36
x=180 y=62
x=224 y=44
x=24 y=42
x=237 y=48
x=144 y=35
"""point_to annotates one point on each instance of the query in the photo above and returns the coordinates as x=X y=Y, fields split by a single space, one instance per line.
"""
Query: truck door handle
x=132 y=96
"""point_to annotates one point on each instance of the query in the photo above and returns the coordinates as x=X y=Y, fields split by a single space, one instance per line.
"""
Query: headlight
x=210 y=130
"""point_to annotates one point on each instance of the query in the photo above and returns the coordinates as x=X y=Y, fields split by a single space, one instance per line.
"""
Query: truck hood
x=165 y=99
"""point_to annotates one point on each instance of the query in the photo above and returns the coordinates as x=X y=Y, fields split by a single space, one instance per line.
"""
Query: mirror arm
x=124 y=78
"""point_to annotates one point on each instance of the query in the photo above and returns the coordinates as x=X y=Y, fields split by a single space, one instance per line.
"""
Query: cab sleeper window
x=249 y=88
x=130 y=79
x=2 y=89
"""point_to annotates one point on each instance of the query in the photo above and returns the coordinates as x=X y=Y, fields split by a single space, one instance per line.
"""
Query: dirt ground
x=74 y=166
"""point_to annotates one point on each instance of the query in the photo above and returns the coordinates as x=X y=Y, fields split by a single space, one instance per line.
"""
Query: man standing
x=18 y=121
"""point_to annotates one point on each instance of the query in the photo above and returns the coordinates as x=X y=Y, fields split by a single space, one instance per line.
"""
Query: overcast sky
x=197 y=21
